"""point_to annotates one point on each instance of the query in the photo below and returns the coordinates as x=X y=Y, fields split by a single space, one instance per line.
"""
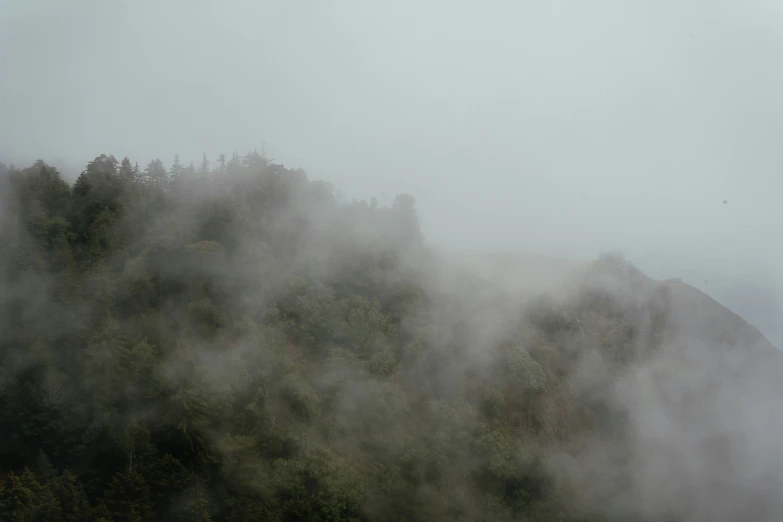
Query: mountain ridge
x=238 y=344
x=521 y=271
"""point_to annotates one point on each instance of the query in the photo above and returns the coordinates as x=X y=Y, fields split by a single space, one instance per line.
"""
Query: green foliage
x=317 y=487
x=72 y=498
x=383 y=363
x=525 y=370
x=300 y=397
x=238 y=345
x=23 y=498
x=365 y=325
x=17 y=500
x=494 y=404
x=128 y=497
x=193 y=506
x=187 y=418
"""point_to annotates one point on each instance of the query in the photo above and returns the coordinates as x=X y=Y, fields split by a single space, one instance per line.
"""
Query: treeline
x=235 y=344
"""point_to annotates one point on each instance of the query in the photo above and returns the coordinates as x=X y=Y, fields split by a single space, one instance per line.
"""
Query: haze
x=563 y=128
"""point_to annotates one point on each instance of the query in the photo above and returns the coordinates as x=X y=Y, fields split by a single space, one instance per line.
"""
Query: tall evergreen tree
x=127 y=172
x=203 y=170
x=155 y=174
x=176 y=171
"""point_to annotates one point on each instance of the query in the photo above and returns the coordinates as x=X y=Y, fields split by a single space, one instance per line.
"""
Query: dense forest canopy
x=234 y=343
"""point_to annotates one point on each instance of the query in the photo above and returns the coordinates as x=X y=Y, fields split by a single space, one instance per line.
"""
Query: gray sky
x=563 y=127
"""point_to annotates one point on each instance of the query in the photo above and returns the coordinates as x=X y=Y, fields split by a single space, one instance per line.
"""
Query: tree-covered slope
x=236 y=344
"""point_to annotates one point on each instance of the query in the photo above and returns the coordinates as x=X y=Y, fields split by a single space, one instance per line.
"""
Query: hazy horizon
x=559 y=128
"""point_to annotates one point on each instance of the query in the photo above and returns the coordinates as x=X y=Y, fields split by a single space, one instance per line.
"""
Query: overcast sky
x=562 y=127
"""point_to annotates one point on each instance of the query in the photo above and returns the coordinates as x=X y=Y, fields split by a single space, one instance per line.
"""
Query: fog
x=561 y=128
x=547 y=131
x=564 y=128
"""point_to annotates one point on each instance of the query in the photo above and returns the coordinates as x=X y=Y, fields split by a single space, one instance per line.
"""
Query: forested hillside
x=236 y=344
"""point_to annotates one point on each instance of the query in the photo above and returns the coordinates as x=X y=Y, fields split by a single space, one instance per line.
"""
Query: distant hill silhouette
x=737 y=308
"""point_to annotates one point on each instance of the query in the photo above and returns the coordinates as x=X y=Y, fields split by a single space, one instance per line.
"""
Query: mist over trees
x=228 y=341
